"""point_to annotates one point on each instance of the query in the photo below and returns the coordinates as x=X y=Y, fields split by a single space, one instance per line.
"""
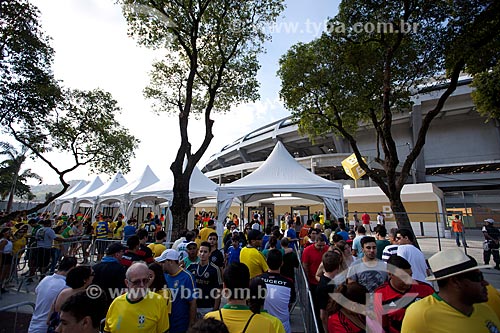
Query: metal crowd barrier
x=16 y=313
x=305 y=300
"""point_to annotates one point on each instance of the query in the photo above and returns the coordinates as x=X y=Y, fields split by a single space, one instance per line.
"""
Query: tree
x=28 y=90
x=372 y=60
x=211 y=65
x=12 y=180
x=83 y=126
x=44 y=117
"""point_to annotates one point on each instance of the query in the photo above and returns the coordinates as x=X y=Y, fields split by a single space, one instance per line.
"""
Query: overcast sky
x=93 y=50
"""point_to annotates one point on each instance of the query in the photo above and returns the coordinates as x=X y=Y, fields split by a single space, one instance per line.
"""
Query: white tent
x=92 y=198
x=65 y=198
x=200 y=187
x=124 y=194
x=92 y=186
x=73 y=189
x=281 y=174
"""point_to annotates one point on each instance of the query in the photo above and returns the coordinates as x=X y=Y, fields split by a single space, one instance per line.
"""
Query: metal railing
x=16 y=306
x=305 y=299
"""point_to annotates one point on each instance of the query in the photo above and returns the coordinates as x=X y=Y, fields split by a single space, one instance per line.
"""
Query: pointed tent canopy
x=147 y=178
x=281 y=173
x=200 y=186
x=73 y=189
x=116 y=182
x=92 y=186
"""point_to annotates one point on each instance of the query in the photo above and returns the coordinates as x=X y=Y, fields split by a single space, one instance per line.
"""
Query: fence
x=429 y=224
x=304 y=298
x=9 y=325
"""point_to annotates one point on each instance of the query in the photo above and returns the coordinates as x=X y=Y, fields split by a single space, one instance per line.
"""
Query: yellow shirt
x=493 y=299
x=18 y=244
x=157 y=249
x=205 y=232
x=278 y=325
x=236 y=317
x=254 y=260
x=433 y=314
x=147 y=315
x=167 y=296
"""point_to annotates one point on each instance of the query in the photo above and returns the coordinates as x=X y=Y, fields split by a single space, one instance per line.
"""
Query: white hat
x=489 y=220
x=451 y=262
x=169 y=254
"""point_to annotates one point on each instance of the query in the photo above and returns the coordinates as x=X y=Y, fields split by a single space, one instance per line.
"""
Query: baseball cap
x=489 y=220
x=191 y=243
x=115 y=248
x=254 y=235
x=169 y=254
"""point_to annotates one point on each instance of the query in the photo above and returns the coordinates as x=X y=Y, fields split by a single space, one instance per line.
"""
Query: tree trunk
x=181 y=204
x=402 y=219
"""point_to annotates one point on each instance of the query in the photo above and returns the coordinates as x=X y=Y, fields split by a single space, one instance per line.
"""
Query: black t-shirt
x=324 y=288
x=207 y=278
x=290 y=262
x=217 y=258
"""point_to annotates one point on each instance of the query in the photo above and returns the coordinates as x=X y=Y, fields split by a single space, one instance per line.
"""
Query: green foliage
x=375 y=57
x=28 y=89
x=339 y=79
x=84 y=126
x=12 y=180
x=487 y=93
x=212 y=49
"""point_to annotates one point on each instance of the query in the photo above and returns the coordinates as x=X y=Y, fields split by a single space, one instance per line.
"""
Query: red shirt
x=365 y=218
x=339 y=323
x=313 y=257
x=399 y=302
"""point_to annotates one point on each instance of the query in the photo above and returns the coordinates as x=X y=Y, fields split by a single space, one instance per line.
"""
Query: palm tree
x=12 y=180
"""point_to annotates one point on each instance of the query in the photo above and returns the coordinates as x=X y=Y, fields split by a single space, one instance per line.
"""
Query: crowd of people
x=359 y=278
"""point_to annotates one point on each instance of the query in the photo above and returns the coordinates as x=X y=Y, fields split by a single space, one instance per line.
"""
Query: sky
x=92 y=50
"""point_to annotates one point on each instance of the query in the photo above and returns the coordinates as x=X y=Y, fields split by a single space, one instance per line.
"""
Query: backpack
x=246 y=325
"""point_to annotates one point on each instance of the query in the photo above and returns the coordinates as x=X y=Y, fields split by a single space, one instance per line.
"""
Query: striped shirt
x=389 y=250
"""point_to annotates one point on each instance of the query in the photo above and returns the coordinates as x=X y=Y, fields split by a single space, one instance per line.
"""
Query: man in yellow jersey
x=205 y=232
x=250 y=255
x=459 y=306
x=159 y=245
x=236 y=314
x=139 y=310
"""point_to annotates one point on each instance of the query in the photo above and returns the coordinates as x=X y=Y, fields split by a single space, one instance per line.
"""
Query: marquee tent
x=124 y=194
x=200 y=188
x=71 y=197
x=281 y=174
x=92 y=198
x=58 y=204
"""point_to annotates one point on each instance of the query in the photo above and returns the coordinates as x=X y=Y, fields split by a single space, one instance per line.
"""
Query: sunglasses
x=473 y=276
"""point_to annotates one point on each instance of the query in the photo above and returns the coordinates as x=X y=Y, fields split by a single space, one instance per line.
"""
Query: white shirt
x=46 y=293
x=380 y=219
x=417 y=261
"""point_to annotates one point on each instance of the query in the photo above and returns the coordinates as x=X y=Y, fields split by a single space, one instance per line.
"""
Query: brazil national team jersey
x=433 y=314
x=147 y=315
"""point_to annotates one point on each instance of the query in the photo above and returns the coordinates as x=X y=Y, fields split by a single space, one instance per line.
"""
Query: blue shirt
x=233 y=254
x=182 y=287
x=344 y=234
x=290 y=233
x=128 y=230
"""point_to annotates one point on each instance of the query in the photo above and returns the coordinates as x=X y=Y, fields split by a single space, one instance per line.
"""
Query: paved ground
x=428 y=245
